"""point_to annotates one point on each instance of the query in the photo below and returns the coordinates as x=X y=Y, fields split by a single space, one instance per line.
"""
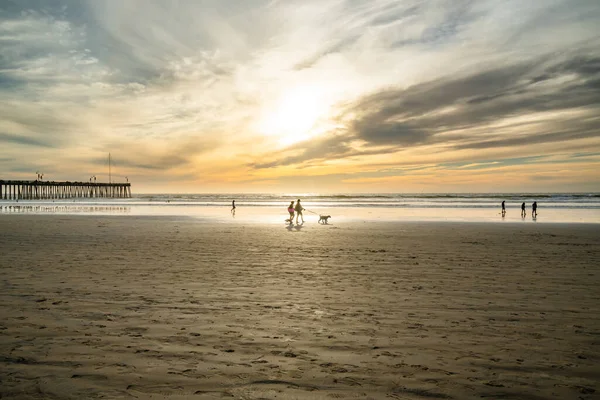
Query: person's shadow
x=292 y=227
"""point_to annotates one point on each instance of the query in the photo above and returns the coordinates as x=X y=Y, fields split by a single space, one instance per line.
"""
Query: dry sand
x=149 y=308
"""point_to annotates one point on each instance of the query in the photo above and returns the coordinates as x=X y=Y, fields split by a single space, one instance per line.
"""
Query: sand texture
x=152 y=308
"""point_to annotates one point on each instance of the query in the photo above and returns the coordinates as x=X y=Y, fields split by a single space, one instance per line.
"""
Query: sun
x=292 y=118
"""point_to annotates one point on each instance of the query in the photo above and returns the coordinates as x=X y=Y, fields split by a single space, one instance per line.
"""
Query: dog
x=324 y=218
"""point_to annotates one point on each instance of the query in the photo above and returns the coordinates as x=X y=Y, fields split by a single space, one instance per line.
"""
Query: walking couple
x=298 y=209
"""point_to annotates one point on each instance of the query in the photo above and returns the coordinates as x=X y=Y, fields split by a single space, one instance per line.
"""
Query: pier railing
x=38 y=190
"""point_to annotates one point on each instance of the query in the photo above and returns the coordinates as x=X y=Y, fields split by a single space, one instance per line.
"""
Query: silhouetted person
x=523 y=210
x=534 y=209
x=233 y=207
x=503 y=209
x=299 y=210
x=291 y=212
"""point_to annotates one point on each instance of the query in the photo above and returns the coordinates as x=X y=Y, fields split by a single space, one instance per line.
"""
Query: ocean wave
x=288 y=197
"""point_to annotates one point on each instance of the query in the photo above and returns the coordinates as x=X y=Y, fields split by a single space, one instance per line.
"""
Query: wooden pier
x=41 y=190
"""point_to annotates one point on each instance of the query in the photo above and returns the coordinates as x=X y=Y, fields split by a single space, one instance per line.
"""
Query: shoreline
x=276 y=215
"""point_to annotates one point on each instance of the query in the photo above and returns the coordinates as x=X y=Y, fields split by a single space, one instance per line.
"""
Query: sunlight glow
x=293 y=117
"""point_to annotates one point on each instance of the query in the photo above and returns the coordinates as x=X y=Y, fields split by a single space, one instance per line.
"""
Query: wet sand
x=152 y=308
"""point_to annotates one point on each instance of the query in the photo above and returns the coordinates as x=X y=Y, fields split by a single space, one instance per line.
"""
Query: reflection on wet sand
x=66 y=209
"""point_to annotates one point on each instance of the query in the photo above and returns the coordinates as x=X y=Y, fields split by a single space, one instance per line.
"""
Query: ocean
x=552 y=207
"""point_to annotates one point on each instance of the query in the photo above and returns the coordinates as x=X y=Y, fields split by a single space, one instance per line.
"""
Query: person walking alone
x=523 y=210
x=299 y=210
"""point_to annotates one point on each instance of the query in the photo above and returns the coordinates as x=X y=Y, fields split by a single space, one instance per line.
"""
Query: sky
x=346 y=96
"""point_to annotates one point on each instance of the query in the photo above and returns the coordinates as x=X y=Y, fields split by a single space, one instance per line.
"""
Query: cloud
x=22 y=140
x=37 y=50
x=547 y=99
x=332 y=147
x=353 y=28
x=423 y=113
x=159 y=155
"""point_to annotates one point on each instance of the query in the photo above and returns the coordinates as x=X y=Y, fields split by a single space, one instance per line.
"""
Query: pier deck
x=39 y=190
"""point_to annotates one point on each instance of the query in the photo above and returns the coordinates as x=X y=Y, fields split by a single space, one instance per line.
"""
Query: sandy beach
x=164 y=307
